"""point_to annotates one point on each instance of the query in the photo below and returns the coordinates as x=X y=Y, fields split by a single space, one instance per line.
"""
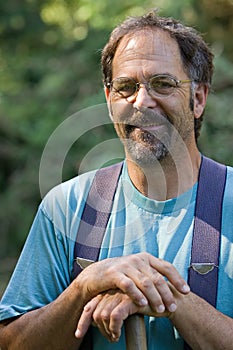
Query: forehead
x=148 y=48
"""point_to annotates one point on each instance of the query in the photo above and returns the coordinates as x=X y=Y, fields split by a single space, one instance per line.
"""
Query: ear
x=107 y=93
x=200 y=96
x=107 y=96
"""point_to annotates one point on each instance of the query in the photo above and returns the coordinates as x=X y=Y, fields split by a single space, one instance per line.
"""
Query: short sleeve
x=42 y=272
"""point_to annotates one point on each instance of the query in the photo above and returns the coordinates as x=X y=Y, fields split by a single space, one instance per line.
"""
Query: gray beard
x=148 y=154
x=146 y=148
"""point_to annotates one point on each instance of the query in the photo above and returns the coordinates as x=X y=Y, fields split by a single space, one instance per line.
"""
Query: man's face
x=150 y=126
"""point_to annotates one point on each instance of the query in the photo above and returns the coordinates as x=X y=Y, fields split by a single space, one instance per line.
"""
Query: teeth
x=147 y=136
x=151 y=129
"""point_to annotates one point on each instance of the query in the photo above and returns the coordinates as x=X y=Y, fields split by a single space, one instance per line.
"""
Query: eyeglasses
x=160 y=85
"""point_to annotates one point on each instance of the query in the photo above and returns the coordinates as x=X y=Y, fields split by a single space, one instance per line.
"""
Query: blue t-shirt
x=136 y=224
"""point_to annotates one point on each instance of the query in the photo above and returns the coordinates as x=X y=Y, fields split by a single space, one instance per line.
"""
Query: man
x=157 y=74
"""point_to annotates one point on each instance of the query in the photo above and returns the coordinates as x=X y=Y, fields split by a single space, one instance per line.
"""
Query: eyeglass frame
x=178 y=83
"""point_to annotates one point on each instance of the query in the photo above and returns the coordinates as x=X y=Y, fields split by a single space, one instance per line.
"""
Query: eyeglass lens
x=158 y=85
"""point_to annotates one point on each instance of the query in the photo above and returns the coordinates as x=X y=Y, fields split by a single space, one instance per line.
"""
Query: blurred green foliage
x=49 y=69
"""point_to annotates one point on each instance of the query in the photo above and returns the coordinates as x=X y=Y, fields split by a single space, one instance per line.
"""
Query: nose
x=142 y=98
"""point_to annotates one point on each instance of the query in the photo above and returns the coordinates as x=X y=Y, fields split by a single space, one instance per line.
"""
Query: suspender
x=93 y=223
x=203 y=271
x=203 y=274
x=95 y=215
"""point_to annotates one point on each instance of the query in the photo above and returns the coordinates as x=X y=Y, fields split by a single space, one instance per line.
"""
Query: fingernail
x=114 y=337
x=160 y=309
x=172 y=307
x=78 y=333
x=186 y=288
x=87 y=307
x=143 y=302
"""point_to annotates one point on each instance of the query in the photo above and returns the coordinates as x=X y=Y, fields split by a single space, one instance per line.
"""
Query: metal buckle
x=83 y=263
x=203 y=268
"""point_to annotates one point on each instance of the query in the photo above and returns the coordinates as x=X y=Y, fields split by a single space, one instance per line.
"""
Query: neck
x=168 y=178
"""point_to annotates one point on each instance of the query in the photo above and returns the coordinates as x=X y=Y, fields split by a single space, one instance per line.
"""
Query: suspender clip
x=83 y=263
x=203 y=268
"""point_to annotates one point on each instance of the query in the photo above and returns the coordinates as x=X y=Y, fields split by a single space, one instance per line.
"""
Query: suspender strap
x=93 y=224
x=96 y=214
x=203 y=271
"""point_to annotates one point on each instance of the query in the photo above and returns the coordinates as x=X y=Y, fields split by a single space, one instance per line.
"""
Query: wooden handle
x=135 y=333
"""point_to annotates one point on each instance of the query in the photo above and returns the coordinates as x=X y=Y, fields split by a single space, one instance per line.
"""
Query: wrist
x=81 y=291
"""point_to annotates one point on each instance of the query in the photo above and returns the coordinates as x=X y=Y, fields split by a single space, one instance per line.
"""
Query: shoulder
x=230 y=173
x=227 y=212
x=229 y=184
x=67 y=199
x=78 y=187
x=216 y=166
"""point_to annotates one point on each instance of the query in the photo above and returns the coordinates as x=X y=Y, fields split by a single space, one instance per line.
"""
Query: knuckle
x=125 y=284
x=146 y=282
x=116 y=315
x=97 y=317
x=158 y=280
x=104 y=315
x=144 y=256
x=134 y=259
x=110 y=271
x=124 y=266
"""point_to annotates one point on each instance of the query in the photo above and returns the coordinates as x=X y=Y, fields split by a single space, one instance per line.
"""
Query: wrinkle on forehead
x=161 y=44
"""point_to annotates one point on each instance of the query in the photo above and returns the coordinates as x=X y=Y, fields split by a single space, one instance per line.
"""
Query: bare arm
x=51 y=327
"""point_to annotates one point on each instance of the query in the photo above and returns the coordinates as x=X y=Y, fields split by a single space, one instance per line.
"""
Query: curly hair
x=196 y=55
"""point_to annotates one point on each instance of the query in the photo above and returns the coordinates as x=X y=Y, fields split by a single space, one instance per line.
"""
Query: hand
x=140 y=276
x=108 y=312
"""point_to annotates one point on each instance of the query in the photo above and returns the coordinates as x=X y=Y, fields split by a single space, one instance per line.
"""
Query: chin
x=145 y=156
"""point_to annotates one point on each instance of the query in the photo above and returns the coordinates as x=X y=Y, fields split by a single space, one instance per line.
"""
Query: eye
x=162 y=84
x=125 y=87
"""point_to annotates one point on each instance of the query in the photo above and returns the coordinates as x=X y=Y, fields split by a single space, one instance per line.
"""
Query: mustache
x=143 y=117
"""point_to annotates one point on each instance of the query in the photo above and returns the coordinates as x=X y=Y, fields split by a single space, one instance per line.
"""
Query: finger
x=118 y=315
x=158 y=292
x=170 y=272
x=86 y=317
x=101 y=320
x=101 y=315
x=131 y=287
x=168 y=301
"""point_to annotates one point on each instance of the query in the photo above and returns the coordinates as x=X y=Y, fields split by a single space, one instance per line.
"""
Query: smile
x=153 y=130
x=148 y=135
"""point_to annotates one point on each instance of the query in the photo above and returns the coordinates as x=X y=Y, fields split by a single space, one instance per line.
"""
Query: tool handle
x=135 y=333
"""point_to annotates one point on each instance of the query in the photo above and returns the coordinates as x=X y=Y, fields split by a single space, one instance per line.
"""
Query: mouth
x=144 y=126
x=151 y=131
x=148 y=136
